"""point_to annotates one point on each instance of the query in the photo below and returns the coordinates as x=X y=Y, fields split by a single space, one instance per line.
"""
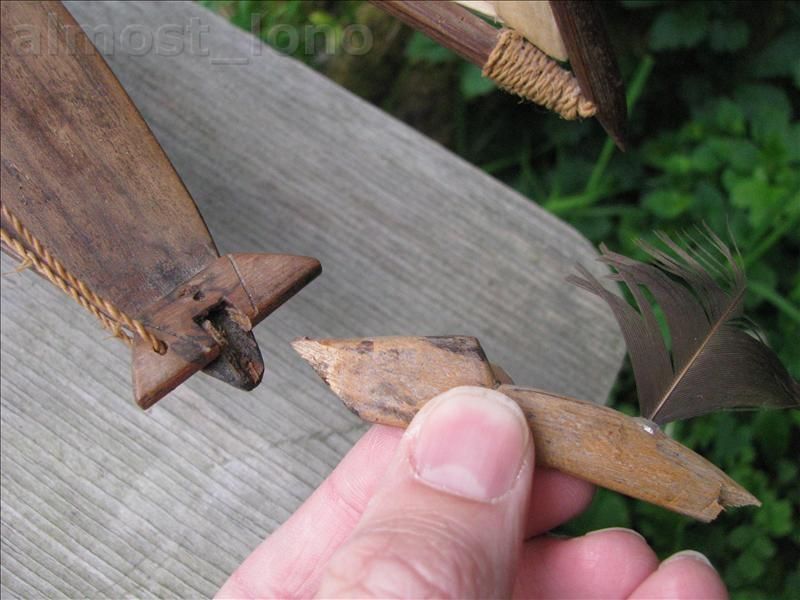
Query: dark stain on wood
x=365 y=346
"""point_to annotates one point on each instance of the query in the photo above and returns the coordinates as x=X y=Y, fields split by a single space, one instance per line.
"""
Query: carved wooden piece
x=579 y=26
x=247 y=287
x=534 y=20
x=83 y=172
x=387 y=380
x=592 y=59
x=455 y=28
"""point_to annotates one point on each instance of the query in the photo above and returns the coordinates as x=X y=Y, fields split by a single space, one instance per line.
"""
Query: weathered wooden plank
x=102 y=500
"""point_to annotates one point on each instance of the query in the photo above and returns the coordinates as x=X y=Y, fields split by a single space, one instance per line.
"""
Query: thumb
x=450 y=517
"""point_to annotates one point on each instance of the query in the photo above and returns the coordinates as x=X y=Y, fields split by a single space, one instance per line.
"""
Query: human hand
x=446 y=510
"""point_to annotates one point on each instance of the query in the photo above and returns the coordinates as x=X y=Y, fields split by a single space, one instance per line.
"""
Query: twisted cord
x=36 y=255
x=519 y=67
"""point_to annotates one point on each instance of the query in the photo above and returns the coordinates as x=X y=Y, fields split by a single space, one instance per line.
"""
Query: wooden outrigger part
x=91 y=201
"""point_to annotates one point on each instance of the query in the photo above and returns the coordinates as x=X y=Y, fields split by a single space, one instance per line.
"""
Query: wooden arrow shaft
x=388 y=380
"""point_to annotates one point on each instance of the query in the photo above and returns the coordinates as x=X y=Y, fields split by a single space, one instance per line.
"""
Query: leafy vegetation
x=713 y=89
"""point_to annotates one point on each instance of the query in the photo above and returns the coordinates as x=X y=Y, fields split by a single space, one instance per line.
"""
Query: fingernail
x=691 y=554
x=471 y=443
x=622 y=529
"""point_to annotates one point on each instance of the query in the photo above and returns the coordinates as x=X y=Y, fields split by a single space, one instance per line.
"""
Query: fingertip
x=449 y=516
x=628 y=558
x=556 y=498
x=688 y=554
x=618 y=535
x=603 y=564
x=684 y=575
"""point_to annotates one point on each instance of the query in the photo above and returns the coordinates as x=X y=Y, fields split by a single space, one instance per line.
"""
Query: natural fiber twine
x=37 y=256
x=519 y=67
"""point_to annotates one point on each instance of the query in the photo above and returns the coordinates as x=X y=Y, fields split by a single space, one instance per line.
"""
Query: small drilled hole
x=199 y=295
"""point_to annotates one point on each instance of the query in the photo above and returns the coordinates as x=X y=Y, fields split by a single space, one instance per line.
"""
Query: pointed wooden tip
x=388 y=379
x=320 y=354
x=271 y=279
x=592 y=59
x=733 y=495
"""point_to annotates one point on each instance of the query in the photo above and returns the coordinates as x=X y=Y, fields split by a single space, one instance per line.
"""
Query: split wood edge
x=387 y=380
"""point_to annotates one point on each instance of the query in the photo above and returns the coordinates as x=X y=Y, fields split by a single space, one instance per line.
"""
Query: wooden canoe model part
x=91 y=201
x=714 y=363
x=523 y=55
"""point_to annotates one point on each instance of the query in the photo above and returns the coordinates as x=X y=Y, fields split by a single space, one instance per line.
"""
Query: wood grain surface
x=454 y=27
x=101 y=500
x=387 y=380
x=72 y=139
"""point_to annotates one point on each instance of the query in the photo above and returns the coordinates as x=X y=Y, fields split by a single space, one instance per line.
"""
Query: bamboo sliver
x=388 y=380
x=626 y=454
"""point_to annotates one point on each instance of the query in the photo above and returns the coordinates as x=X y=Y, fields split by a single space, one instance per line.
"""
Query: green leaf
x=321 y=18
x=793 y=142
x=763 y=547
x=667 y=204
x=710 y=204
x=741 y=154
x=780 y=58
x=742 y=536
x=728 y=116
x=472 y=82
x=704 y=159
x=728 y=36
x=682 y=27
x=608 y=509
x=776 y=518
x=767 y=109
x=421 y=48
x=761 y=200
x=596 y=229
x=760 y=273
x=771 y=429
x=787 y=471
x=748 y=566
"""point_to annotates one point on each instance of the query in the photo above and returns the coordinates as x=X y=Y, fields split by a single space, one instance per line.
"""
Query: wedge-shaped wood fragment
x=387 y=380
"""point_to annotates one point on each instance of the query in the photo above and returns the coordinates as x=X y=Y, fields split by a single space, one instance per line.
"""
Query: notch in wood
x=206 y=322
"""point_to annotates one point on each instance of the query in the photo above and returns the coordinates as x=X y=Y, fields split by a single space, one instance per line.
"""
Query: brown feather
x=716 y=359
